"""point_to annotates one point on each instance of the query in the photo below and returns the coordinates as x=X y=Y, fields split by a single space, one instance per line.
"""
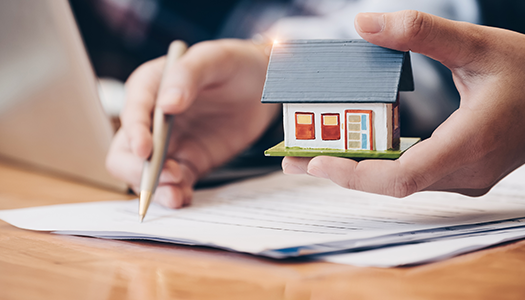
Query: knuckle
x=417 y=25
x=404 y=186
x=357 y=182
x=353 y=180
x=351 y=183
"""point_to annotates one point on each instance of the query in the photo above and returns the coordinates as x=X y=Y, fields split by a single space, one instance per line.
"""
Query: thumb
x=178 y=86
x=454 y=44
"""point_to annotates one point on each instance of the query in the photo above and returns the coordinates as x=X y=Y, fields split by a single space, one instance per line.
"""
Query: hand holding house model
x=340 y=98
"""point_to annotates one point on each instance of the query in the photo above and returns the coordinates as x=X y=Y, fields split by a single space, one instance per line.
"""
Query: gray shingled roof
x=312 y=71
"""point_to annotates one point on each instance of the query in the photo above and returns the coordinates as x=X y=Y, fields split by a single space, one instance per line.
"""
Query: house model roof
x=332 y=71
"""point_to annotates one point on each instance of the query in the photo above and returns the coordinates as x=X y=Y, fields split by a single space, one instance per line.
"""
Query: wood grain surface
x=40 y=265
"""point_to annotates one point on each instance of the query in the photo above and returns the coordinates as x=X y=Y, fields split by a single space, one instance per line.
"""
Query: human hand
x=214 y=90
x=479 y=144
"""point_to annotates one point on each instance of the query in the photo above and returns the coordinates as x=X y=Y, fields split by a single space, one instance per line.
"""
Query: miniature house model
x=340 y=97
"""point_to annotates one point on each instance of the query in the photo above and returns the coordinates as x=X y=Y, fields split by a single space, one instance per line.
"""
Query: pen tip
x=141 y=218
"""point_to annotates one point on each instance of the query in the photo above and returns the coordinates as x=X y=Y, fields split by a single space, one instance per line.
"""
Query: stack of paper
x=284 y=216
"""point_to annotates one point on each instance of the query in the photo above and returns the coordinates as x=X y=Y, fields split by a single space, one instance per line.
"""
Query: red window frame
x=330 y=132
x=305 y=131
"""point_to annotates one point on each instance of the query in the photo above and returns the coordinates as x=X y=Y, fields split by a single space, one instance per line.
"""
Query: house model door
x=359 y=135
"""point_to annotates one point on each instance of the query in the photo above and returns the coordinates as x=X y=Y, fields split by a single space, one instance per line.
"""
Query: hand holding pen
x=214 y=90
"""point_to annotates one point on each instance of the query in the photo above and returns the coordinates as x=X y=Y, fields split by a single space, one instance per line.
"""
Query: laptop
x=50 y=114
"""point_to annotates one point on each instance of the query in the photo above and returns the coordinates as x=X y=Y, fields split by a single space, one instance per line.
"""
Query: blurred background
x=122 y=34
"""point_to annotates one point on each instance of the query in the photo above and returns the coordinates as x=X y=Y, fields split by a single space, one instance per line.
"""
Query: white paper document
x=425 y=252
x=285 y=216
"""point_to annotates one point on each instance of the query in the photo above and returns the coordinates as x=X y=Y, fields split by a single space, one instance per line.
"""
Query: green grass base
x=281 y=150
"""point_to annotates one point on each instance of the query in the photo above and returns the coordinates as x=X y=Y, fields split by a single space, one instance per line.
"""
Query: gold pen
x=161 y=134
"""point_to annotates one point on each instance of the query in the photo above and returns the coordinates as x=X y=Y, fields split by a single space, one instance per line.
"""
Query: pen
x=161 y=134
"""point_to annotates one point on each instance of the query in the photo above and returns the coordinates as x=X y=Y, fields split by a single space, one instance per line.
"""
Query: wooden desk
x=35 y=265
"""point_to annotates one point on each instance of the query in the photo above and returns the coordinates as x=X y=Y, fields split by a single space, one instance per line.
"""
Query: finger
x=452 y=43
x=126 y=166
x=170 y=196
x=295 y=165
x=173 y=196
x=141 y=91
x=374 y=176
x=204 y=64
x=121 y=163
x=397 y=178
x=176 y=195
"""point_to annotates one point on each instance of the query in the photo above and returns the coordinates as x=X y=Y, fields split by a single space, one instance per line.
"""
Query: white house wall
x=380 y=119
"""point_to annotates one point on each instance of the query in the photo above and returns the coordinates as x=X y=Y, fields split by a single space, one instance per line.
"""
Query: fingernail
x=370 y=22
x=160 y=198
x=171 y=96
x=138 y=149
x=317 y=173
x=291 y=169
